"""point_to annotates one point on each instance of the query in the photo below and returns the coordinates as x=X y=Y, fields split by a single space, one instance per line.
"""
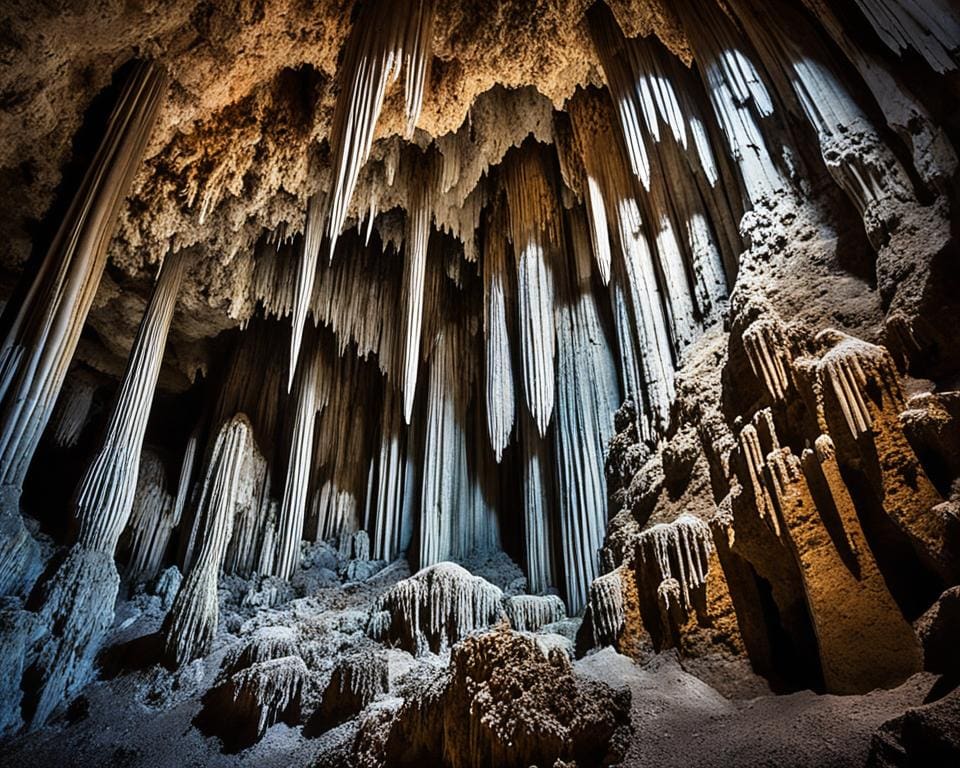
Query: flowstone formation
x=556 y=382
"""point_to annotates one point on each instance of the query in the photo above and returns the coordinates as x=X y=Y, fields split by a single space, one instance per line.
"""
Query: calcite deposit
x=536 y=382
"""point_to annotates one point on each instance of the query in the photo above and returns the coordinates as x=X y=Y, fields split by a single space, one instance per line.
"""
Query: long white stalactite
x=497 y=306
x=419 y=213
x=534 y=231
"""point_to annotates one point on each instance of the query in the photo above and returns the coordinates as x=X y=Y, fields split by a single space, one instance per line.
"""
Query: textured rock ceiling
x=240 y=142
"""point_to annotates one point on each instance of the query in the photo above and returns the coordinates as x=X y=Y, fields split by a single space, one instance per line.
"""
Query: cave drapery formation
x=663 y=309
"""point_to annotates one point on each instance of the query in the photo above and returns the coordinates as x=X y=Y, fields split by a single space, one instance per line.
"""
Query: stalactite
x=435 y=608
x=933 y=155
x=43 y=336
x=646 y=352
x=768 y=350
x=357 y=298
x=534 y=226
x=607 y=611
x=311 y=393
x=587 y=397
x=445 y=465
x=341 y=451
x=256 y=383
x=152 y=519
x=854 y=152
x=229 y=483
x=305 y=275
x=387 y=37
x=679 y=550
x=929 y=27
x=653 y=124
x=73 y=409
x=186 y=474
x=420 y=210
x=740 y=100
x=497 y=307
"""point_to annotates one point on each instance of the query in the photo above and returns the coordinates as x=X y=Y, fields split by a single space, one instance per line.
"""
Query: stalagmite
x=311 y=395
x=435 y=608
x=40 y=343
x=528 y=613
x=355 y=682
x=497 y=308
x=534 y=226
x=152 y=519
x=388 y=36
x=255 y=695
x=192 y=622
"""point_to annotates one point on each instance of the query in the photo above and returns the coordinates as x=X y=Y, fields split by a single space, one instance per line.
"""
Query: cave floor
x=144 y=717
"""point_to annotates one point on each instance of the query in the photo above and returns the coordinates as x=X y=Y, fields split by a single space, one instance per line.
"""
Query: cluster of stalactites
x=387 y=37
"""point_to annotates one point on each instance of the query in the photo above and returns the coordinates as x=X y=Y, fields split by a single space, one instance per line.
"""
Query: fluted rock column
x=35 y=355
x=293 y=508
x=79 y=598
x=37 y=351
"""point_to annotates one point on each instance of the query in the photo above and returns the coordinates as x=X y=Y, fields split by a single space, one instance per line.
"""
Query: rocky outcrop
x=435 y=608
x=505 y=702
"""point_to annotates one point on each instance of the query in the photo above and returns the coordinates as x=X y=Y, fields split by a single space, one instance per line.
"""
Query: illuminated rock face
x=628 y=325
